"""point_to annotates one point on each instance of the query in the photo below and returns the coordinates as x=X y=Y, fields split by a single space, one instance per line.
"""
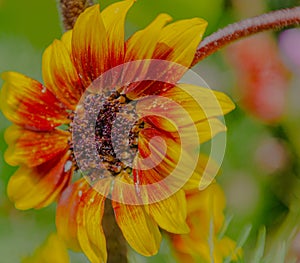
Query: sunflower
x=59 y=127
x=205 y=219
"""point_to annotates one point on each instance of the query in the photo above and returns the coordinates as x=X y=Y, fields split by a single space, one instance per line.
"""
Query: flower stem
x=274 y=20
x=71 y=9
x=115 y=242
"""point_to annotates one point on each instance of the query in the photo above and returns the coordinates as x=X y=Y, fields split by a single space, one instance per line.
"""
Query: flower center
x=116 y=133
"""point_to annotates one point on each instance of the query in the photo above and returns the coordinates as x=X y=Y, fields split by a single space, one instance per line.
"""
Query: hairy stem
x=115 y=242
x=273 y=20
x=71 y=9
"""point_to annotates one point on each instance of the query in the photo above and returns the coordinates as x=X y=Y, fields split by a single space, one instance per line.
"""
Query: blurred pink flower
x=262 y=78
x=289 y=43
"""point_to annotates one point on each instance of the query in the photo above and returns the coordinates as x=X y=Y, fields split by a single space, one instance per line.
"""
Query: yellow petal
x=60 y=75
x=205 y=218
x=31 y=148
x=39 y=186
x=161 y=152
x=66 y=213
x=139 y=229
x=209 y=129
x=204 y=173
x=28 y=103
x=182 y=38
x=139 y=48
x=164 y=113
x=210 y=203
x=89 y=226
x=226 y=247
x=67 y=40
x=170 y=214
x=206 y=130
x=184 y=105
x=79 y=219
x=149 y=184
x=176 y=43
x=53 y=250
x=141 y=44
x=113 y=18
x=212 y=103
x=89 y=45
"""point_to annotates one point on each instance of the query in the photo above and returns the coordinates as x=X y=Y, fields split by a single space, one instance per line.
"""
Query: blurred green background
x=261 y=166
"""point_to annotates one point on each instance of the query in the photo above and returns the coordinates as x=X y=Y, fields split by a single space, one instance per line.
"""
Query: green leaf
x=225 y=226
x=241 y=241
x=260 y=246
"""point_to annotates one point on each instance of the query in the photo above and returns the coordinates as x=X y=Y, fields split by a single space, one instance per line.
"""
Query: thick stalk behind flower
x=115 y=242
x=71 y=9
x=274 y=20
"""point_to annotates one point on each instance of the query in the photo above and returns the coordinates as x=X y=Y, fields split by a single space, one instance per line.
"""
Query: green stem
x=273 y=20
